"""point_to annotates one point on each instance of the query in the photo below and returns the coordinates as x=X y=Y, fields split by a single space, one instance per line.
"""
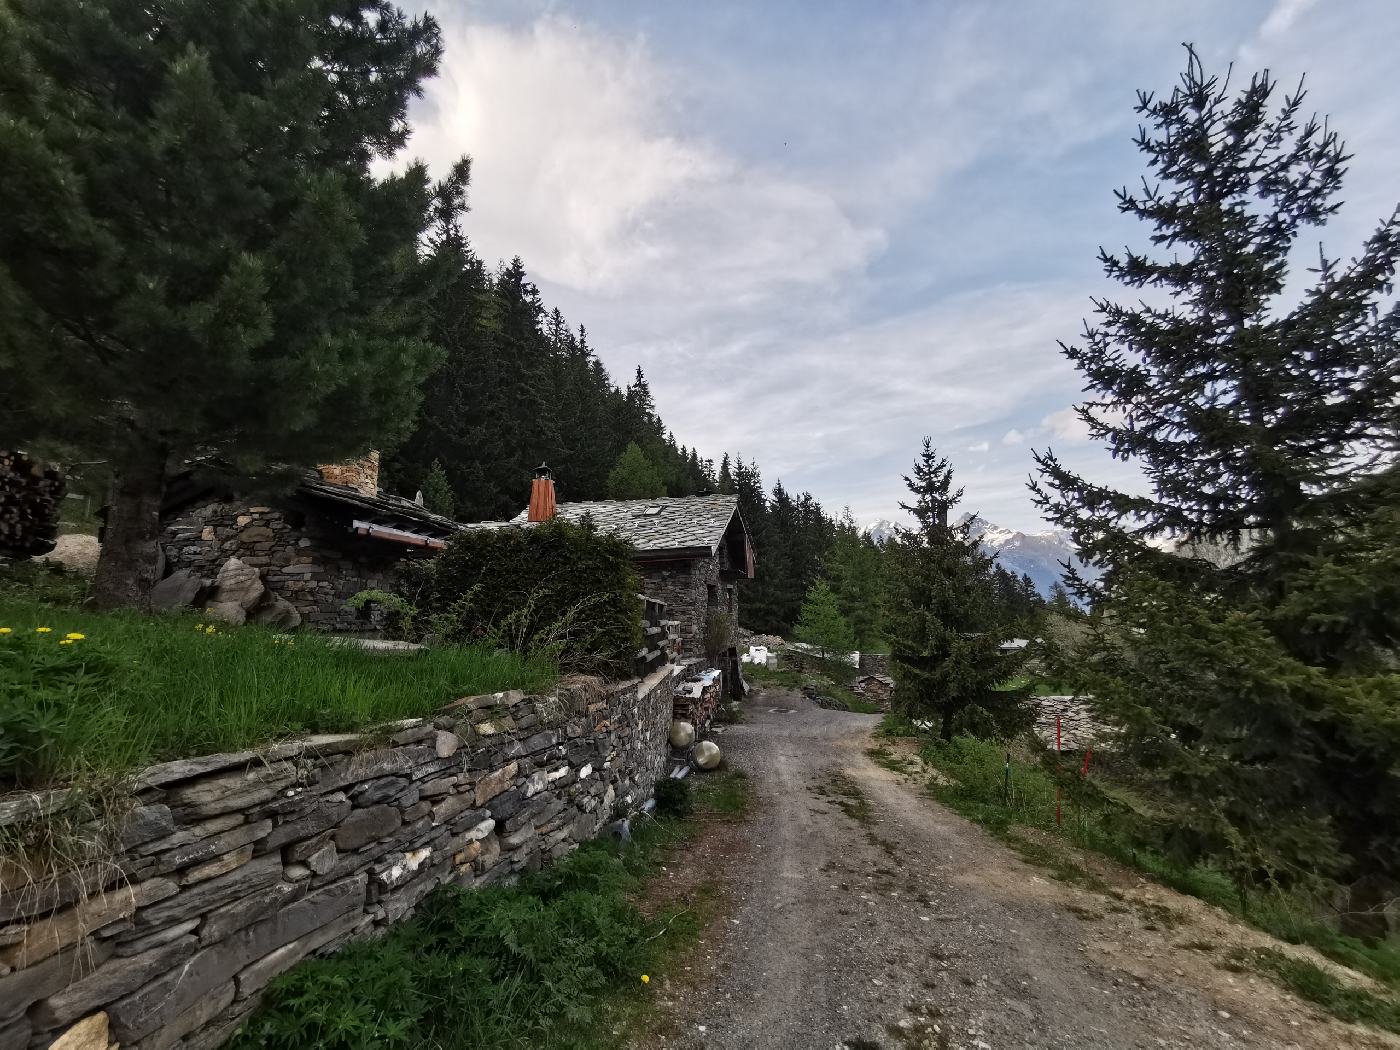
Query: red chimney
x=542 y=494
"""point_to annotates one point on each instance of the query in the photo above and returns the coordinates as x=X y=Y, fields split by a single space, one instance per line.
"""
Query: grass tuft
x=140 y=689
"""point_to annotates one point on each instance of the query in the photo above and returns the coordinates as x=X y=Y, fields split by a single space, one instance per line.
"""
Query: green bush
x=557 y=588
x=673 y=798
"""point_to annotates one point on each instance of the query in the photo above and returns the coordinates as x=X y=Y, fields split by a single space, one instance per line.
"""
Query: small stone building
x=692 y=551
x=330 y=537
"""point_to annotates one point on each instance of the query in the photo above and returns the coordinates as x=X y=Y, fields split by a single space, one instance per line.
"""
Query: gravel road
x=862 y=914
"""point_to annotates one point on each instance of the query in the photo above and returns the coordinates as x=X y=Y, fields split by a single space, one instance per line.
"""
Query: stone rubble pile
x=235 y=867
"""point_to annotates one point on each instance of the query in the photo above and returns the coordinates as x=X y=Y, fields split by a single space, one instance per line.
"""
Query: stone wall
x=875 y=663
x=300 y=556
x=235 y=867
x=685 y=588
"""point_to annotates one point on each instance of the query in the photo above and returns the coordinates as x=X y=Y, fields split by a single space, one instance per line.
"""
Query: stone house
x=332 y=536
x=692 y=551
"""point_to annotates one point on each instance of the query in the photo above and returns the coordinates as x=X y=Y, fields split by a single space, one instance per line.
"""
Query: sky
x=825 y=230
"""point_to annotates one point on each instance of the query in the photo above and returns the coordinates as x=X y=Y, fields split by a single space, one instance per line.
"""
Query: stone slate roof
x=383 y=508
x=675 y=526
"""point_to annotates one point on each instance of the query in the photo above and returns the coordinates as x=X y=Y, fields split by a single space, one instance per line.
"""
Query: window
x=713 y=596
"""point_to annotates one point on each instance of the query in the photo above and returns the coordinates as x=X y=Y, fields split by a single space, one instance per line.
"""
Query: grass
x=976 y=787
x=138 y=689
x=791 y=678
x=1038 y=686
x=1314 y=984
x=557 y=960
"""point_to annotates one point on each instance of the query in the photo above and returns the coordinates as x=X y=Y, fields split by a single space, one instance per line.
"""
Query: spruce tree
x=854 y=568
x=1255 y=685
x=438 y=496
x=197 y=259
x=942 y=620
x=821 y=625
x=635 y=476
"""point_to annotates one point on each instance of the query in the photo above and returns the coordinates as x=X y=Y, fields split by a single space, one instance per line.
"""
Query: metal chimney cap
x=543 y=471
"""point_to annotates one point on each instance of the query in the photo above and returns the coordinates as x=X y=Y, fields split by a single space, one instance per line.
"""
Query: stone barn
x=333 y=535
x=692 y=552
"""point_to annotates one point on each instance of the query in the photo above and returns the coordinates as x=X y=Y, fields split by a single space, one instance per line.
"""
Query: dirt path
x=861 y=913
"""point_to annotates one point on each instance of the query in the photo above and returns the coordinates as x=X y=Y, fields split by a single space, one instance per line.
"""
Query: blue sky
x=825 y=230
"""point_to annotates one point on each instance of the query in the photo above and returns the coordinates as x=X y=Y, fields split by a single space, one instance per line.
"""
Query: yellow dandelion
x=199 y=627
x=6 y=630
x=74 y=636
x=42 y=630
x=65 y=641
x=646 y=979
x=211 y=629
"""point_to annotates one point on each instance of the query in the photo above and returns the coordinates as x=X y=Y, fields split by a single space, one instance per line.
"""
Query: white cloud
x=1066 y=426
x=979 y=446
x=1283 y=15
x=582 y=166
x=1013 y=437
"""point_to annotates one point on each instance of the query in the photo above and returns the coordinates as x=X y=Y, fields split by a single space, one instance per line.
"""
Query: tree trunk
x=127 y=566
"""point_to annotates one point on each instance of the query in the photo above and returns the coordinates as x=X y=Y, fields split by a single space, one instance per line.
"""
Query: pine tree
x=1256 y=688
x=854 y=568
x=635 y=476
x=726 y=477
x=199 y=263
x=438 y=496
x=821 y=625
x=943 y=621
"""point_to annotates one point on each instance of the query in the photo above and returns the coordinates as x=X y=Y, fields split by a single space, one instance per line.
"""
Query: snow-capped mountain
x=881 y=531
x=1036 y=554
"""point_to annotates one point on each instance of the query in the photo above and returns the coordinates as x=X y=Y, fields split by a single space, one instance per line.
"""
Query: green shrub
x=556 y=588
x=673 y=798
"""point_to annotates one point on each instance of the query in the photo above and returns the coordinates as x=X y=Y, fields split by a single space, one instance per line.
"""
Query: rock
x=201 y=851
x=179 y=589
x=230 y=613
x=707 y=755
x=137 y=945
x=23 y=987
x=189 y=768
x=113 y=979
x=535 y=783
x=14 y=1035
x=453 y=806
x=446 y=744
x=682 y=735
x=205 y=1010
x=377 y=791
x=323 y=860
x=221 y=922
x=365 y=826
x=218 y=866
x=158 y=1002
x=229 y=792
x=146 y=823
x=491 y=785
x=325 y=813
x=296 y=872
x=88 y=1034
x=237 y=583
x=278 y=613
x=205 y=896
x=49 y=936
x=253 y=978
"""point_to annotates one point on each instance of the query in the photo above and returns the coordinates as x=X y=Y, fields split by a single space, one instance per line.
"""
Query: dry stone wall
x=299 y=558
x=685 y=588
x=235 y=867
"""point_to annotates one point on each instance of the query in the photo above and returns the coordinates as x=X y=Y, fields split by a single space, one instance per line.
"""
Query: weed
x=554 y=960
x=137 y=689
x=673 y=798
x=1309 y=981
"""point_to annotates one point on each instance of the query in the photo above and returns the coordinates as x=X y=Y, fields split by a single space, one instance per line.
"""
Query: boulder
x=276 y=612
x=707 y=755
x=682 y=734
x=177 y=590
x=237 y=583
x=230 y=613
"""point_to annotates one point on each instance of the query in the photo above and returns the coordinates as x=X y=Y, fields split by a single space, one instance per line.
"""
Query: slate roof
x=693 y=525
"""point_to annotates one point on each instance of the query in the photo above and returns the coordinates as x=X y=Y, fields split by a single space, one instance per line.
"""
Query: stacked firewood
x=30 y=496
